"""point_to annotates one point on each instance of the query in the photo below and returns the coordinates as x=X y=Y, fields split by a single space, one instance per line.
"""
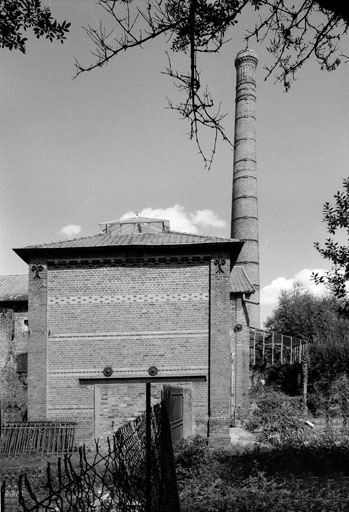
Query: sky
x=102 y=146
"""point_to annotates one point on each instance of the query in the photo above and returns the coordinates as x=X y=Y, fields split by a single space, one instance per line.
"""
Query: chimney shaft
x=244 y=222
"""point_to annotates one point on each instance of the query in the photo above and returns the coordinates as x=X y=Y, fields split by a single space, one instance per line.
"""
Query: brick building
x=13 y=333
x=13 y=318
x=137 y=303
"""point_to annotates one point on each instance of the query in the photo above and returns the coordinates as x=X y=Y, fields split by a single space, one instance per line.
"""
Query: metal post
x=272 y=347
x=148 y=448
x=254 y=347
x=2 y=496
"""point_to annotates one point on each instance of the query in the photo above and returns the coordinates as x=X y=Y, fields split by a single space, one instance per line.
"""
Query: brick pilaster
x=37 y=353
x=220 y=353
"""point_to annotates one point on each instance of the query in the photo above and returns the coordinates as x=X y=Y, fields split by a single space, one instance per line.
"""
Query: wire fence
x=114 y=477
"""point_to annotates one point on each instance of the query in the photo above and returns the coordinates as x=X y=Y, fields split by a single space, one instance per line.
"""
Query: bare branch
x=295 y=33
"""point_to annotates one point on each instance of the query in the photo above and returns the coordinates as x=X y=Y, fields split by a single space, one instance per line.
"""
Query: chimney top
x=246 y=54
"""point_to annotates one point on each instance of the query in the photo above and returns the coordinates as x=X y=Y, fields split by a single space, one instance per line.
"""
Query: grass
x=283 y=479
x=302 y=477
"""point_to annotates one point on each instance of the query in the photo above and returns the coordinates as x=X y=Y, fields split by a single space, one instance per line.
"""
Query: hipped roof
x=168 y=239
x=239 y=281
x=13 y=287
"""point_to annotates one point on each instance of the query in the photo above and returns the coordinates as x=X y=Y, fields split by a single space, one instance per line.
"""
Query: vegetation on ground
x=13 y=393
x=292 y=466
x=293 y=477
x=321 y=322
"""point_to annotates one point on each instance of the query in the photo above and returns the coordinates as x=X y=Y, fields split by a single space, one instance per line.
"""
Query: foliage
x=301 y=314
x=13 y=393
x=294 y=478
x=317 y=319
x=280 y=419
x=336 y=216
x=328 y=362
x=331 y=399
x=294 y=33
x=17 y=16
x=285 y=378
x=192 y=451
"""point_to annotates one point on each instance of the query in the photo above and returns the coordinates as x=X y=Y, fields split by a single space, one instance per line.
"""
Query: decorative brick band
x=127 y=299
x=121 y=262
x=130 y=335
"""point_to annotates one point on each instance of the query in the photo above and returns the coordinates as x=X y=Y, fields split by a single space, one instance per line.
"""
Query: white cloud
x=70 y=230
x=207 y=218
x=181 y=220
x=270 y=293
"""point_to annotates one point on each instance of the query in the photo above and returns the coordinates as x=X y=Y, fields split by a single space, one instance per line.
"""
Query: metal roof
x=169 y=238
x=239 y=282
x=13 y=287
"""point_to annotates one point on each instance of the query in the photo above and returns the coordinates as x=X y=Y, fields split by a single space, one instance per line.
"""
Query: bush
x=280 y=418
x=293 y=478
x=286 y=377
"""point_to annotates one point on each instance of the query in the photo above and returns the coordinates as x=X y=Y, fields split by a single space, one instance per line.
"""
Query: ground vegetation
x=318 y=320
x=299 y=476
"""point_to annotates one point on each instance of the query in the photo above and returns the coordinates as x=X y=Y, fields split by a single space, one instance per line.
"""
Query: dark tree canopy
x=293 y=32
x=315 y=318
x=336 y=216
x=17 y=16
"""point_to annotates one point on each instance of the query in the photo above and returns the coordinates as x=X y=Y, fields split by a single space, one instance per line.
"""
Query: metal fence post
x=148 y=448
x=2 y=496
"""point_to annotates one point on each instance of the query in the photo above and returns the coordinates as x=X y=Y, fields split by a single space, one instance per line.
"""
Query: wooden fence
x=37 y=438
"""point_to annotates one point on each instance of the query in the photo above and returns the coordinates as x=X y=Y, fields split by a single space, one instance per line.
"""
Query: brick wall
x=117 y=404
x=129 y=316
x=240 y=350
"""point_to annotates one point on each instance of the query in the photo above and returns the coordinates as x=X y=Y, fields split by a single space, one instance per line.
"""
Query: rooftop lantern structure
x=136 y=225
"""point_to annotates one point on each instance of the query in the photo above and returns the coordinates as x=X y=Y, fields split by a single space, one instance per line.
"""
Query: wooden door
x=174 y=401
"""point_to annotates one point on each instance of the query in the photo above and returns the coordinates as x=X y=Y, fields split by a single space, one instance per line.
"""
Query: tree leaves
x=336 y=216
x=16 y=17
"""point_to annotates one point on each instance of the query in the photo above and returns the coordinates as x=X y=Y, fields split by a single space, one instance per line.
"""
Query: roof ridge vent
x=133 y=225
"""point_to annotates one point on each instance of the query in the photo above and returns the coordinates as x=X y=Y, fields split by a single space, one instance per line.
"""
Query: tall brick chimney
x=244 y=221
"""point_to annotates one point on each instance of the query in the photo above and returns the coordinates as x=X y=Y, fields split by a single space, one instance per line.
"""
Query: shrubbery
x=286 y=478
x=279 y=418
